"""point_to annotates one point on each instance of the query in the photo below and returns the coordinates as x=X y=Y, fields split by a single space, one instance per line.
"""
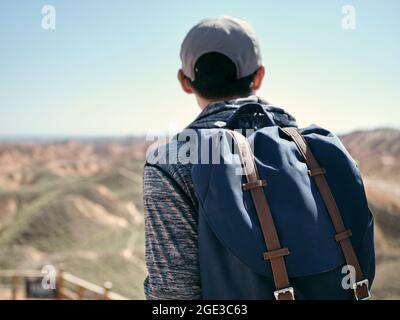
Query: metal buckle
x=284 y=291
x=360 y=284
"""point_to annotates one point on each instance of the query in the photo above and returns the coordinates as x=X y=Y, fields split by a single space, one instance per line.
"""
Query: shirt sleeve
x=171 y=239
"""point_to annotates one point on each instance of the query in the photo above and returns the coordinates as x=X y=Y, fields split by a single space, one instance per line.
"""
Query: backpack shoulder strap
x=255 y=185
x=360 y=287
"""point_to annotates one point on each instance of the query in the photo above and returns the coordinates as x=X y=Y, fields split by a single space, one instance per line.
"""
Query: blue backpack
x=287 y=218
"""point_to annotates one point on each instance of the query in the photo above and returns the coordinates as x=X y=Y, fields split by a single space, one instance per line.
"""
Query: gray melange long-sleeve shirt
x=171 y=212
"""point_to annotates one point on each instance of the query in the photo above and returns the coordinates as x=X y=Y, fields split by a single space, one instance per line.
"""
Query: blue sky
x=110 y=67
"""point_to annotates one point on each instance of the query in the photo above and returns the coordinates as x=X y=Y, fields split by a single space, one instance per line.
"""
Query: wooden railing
x=67 y=286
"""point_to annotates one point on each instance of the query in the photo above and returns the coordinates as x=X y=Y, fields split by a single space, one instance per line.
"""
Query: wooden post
x=81 y=292
x=60 y=285
x=107 y=288
x=14 y=288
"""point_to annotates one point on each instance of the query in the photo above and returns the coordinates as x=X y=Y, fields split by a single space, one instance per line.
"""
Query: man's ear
x=185 y=83
x=258 y=78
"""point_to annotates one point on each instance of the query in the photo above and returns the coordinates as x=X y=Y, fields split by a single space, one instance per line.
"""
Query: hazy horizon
x=49 y=138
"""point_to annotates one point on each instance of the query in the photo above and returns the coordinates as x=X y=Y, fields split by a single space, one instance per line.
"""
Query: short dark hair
x=216 y=77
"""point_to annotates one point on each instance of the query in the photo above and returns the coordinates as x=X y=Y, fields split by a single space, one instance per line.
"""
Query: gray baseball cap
x=229 y=36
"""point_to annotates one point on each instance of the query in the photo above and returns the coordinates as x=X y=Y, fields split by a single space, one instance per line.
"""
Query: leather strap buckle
x=254 y=184
x=361 y=290
x=284 y=294
x=343 y=235
x=316 y=172
x=273 y=254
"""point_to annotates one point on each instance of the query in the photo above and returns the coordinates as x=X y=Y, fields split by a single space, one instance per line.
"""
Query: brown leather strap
x=276 y=253
x=342 y=234
x=266 y=220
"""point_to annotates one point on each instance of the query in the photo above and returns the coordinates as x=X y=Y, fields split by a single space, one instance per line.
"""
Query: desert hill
x=377 y=153
x=77 y=205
